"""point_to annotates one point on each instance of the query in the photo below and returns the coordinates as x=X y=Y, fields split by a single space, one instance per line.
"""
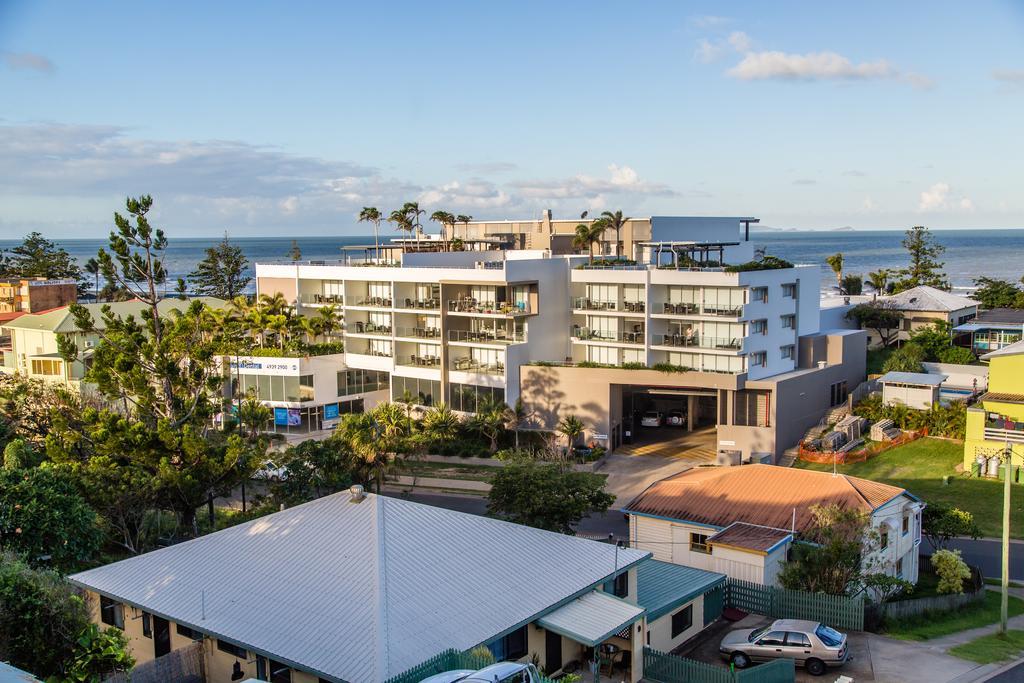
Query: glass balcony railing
x=372 y=301
x=498 y=336
x=698 y=341
x=585 y=334
x=419 y=332
x=706 y=309
x=417 y=361
x=431 y=304
x=368 y=328
x=335 y=299
x=470 y=305
x=467 y=364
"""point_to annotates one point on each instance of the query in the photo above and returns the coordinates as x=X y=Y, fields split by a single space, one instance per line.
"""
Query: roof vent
x=357 y=493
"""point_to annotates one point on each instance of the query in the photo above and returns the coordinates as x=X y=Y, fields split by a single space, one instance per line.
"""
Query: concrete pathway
x=439 y=483
x=896 y=661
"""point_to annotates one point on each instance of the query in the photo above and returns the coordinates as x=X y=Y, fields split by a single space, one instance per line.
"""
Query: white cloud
x=942 y=197
x=27 y=60
x=811 y=66
x=477 y=194
x=708 y=51
x=740 y=41
x=855 y=173
x=622 y=179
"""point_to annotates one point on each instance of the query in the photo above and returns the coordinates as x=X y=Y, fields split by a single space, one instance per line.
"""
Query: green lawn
x=928 y=626
x=991 y=648
x=996 y=581
x=444 y=470
x=919 y=467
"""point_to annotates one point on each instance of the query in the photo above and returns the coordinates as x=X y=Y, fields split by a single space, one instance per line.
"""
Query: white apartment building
x=669 y=328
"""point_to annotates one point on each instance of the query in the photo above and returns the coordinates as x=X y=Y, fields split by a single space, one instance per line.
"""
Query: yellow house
x=359 y=588
x=997 y=419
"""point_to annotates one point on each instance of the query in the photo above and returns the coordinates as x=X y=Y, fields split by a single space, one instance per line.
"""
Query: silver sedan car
x=812 y=645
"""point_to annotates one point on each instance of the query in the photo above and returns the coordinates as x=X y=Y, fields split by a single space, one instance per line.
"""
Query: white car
x=502 y=672
x=271 y=471
x=652 y=418
x=448 y=676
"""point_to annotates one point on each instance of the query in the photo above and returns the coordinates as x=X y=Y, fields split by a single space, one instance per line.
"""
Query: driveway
x=659 y=453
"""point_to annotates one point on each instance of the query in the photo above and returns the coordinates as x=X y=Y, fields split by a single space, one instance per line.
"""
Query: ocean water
x=969 y=253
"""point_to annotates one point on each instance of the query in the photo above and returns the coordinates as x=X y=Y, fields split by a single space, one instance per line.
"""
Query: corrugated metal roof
x=922 y=378
x=759 y=494
x=60 y=319
x=10 y=674
x=591 y=618
x=925 y=298
x=1014 y=349
x=1001 y=315
x=749 y=536
x=663 y=586
x=1001 y=397
x=362 y=591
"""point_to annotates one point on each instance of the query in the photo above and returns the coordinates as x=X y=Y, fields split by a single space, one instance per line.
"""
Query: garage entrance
x=667 y=421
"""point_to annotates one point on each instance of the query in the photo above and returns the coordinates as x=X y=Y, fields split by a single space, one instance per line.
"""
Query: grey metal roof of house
x=1014 y=349
x=360 y=592
x=925 y=298
x=60 y=320
x=592 y=618
x=921 y=378
x=10 y=674
x=663 y=586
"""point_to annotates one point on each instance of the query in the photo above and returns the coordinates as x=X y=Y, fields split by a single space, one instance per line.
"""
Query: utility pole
x=1004 y=607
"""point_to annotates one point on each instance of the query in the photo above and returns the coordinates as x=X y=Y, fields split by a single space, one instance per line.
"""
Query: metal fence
x=835 y=610
x=184 y=665
x=665 y=668
x=446 y=661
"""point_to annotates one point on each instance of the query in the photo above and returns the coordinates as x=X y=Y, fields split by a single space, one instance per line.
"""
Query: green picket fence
x=665 y=668
x=839 y=611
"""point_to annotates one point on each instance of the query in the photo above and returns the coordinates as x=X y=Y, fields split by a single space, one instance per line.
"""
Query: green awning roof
x=592 y=618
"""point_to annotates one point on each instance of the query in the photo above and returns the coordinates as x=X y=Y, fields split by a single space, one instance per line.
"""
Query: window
x=759 y=295
x=899 y=567
x=788 y=351
x=883 y=538
x=759 y=358
x=774 y=639
x=795 y=639
x=682 y=620
x=361 y=381
x=699 y=544
x=837 y=393
x=147 y=625
x=466 y=397
x=424 y=392
x=188 y=632
x=46 y=367
x=621 y=587
x=759 y=327
x=510 y=647
x=606 y=355
x=788 y=321
x=906 y=523
x=789 y=290
x=111 y=612
x=232 y=649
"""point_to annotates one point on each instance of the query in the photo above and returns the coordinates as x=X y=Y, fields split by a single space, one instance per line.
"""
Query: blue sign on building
x=281 y=416
x=331 y=411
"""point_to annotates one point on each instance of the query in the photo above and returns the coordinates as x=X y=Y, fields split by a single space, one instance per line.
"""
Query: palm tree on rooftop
x=371 y=214
x=586 y=236
x=401 y=221
x=413 y=211
x=615 y=221
x=465 y=220
x=445 y=219
x=835 y=261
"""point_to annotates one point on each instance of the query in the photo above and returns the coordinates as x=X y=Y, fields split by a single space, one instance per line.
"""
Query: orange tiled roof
x=10 y=315
x=758 y=494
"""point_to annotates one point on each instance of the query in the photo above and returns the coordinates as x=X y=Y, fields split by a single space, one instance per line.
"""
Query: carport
x=699 y=407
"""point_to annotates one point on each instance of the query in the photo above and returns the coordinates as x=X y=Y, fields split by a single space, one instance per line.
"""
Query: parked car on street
x=502 y=672
x=448 y=676
x=652 y=418
x=813 y=645
x=271 y=471
x=675 y=418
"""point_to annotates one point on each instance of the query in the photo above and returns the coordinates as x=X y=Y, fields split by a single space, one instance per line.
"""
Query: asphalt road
x=1014 y=675
x=983 y=552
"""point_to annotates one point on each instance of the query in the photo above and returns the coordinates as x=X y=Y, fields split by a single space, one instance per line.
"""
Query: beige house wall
x=659 y=631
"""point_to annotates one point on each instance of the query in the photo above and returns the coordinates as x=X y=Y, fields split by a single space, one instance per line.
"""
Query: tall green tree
x=489 y=421
x=879 y=279
x=571 y=427
x=831 y=558
x=835 y=262
x=925 y=268
x=444 y=219
x=587 y=235
x=37 y=256
x=371 y=214
x=222 y=273
x=613 y=220
x=885 y=321
x=295 y=253
x=92 y=267
x=992 y=292
x=546 y=496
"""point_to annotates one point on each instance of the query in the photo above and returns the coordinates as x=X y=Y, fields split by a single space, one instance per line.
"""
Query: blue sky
x=286 y=118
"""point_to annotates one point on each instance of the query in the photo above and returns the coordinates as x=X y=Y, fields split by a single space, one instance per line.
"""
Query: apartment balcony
x=368 y=329
x=371 y=302
x=702 y=310
x=698 y=341
x=470 y=306
x=419 y=361
x=467 y=364
x=431 y=304
x=1004 y=431
x=321 y=299
x=581 y=303
x=497 y=336
x=636 y=338
x=431 y=333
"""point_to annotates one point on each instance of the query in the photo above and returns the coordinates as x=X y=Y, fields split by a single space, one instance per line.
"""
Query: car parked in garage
x=812 y=645
x=652 y=418
x=675 y=418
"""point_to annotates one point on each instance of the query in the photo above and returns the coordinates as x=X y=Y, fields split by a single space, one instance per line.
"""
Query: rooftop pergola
x=692 y=254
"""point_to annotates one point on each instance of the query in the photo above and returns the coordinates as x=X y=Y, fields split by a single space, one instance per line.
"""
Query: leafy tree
x=37 y=256
x=517 y=417
x=295 y=253
x=41 y=618
x=828 y=557
x=489 y=421
x=315 y=469
x=613 y=220
x=940 y=523
x=957 y=355
x=952 y=570
x=932 y=339
x=571 y=427
x=835 y=262
x=371 y=214
x=587 y=236
x=374 y=440
x=885 y=587
x=907 y=358
x=995 y=293
x=852 y=284
x=222 y=273
x=545 y=496
x=98 y=654
x=92 y=267
x=440 y=424
x=879 y=279
x=19 y=454
x=885 y=321
x=43 y=517
x=924 y=268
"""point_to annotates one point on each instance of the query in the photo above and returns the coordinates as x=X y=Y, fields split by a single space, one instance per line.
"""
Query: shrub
x=957 y=355
x=952 y=570
x=907 y=358
x=766 y=263
x=514 y=454
x=668 y=367
x=634 y=366
x=483 y=653
x=852 y=284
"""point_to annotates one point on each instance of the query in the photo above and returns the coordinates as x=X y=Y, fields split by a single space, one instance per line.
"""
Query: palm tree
x=371 y=214
x=274 y=304
x=878 y=280
x=329 y=322
x=413 y=211
x=616 y=221
x=92 y=266
x=465 y=220
x=440 y=423
x=363 y=436
x=517 y=415
x=401 y=221
x=278 y=324
x=836 y=262
x=587 y=236
x=570 y=427
x=445 y=219
x=489 y=420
